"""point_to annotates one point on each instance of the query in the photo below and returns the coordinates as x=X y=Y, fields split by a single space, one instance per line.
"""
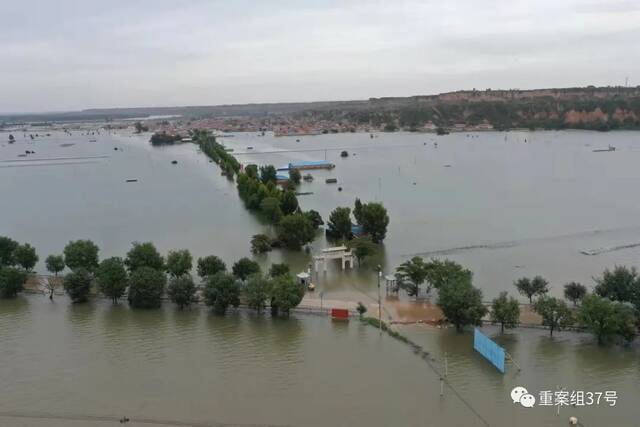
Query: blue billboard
x=489 y=349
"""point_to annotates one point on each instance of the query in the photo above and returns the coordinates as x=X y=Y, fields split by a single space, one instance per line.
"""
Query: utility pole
x=379 y=305
x=446 y=365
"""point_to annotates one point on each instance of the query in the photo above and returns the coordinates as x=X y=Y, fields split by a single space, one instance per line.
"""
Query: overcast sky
x=65 y=55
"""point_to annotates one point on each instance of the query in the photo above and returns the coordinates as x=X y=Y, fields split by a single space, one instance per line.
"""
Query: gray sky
x=64 y=55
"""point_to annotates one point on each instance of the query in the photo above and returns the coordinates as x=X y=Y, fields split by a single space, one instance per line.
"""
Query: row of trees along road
x=294 y=228
x=145 y=273
x=611 y=313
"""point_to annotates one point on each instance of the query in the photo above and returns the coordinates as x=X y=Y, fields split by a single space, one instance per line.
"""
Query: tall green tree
x=555 y=313
x=244 y=268
x=294 y=176
x=270 y=207
x=222 y=290
x=81 y=254
x=574 y=292
x=182 y=290
x=210 y=265
x=289 y=203
x=411 y=274
x=357 y=211
x=532 y=287
x=268 y=173
x=146 y=287
x=12 y=281
x=55 y=264
x=295 y=231
x=461 y=303
x=179 y=262
x=7 y=246
x=339 y=224
x=25 y=256
x=440 y=273
x=375 y=220
x=285 y=294
x=505 y=311
x=112 y=278
x=257 y=292
x=620 y=284
x=606 y=319
x=314 y=217
x=144 y=255
x=77 y=283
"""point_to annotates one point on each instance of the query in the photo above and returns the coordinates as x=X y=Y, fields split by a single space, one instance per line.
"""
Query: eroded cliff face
x=574 y=117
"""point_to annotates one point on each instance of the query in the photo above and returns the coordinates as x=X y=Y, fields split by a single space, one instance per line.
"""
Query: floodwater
x=65 y=365
x=503 y=207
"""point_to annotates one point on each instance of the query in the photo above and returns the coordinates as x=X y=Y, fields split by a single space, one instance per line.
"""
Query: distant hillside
x=598 y=108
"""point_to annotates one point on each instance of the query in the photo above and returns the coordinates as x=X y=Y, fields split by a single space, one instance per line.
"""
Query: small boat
x=174 y=162
x=604 y=150
x=344 y=154
x=132 y=180
x=92 y=140
x=331 y=180
x=249 y=148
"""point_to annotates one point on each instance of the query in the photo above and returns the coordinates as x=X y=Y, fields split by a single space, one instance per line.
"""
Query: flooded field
x=93 y=363
x=503 y=207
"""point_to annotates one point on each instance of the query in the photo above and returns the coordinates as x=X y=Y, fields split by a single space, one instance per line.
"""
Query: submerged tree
x=295 y=231
x=182 y=290
x=288 y=203
x=146 y=287
x=210 y=265
x=12 y=281
x=260 y=243
x=7 y=246
x=374 y=220
x=607 y=319
x=339 y=224
x=505 y=311
x=257 y=292
x=285 y=294
x=555 y=313
x=461 y=303
x=411 y=274
x=222 y=290
x=440 y=273
x=112 y=278
x=77 y=283
x=620 y=284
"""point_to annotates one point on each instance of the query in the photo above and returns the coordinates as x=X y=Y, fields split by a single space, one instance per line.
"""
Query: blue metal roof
x=312 y=163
